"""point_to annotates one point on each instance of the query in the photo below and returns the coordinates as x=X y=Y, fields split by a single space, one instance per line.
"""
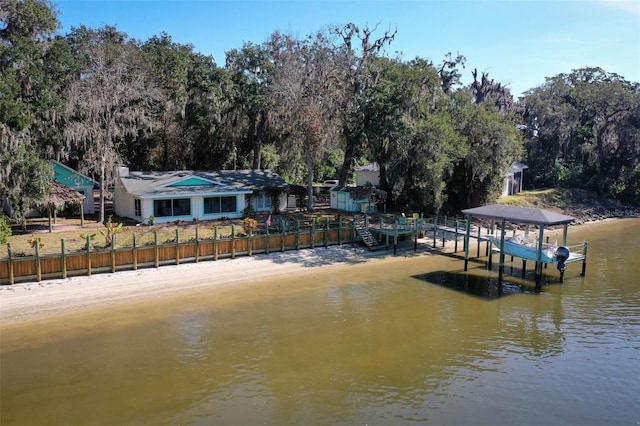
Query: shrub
x=5 y=229
x=248 y=224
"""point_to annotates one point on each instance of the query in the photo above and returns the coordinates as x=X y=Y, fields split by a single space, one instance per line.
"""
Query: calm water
x=398 y=343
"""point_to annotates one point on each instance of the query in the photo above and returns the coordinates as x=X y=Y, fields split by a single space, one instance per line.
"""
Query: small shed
x=513 y=179
x=356 y=198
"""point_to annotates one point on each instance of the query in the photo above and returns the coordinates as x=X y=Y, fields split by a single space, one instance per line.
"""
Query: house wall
x=363 y=177
x=122 y=201
x=78 y=182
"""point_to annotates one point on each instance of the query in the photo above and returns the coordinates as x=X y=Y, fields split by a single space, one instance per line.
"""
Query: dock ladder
x=366 y=235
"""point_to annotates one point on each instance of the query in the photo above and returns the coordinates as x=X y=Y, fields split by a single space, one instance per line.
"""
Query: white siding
x=366 y=177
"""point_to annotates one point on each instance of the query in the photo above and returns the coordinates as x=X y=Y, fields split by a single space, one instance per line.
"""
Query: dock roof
x=519 y=214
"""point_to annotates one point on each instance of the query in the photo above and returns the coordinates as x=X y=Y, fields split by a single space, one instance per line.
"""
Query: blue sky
x=518 y=42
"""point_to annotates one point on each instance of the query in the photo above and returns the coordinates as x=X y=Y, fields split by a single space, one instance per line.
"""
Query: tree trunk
x=349 y=157
x=102 y=194
x=257 y=145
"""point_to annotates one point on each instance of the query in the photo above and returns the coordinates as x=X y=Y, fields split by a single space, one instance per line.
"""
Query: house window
x=262 y=201
x=219 y=205
x=172 y=207
x=137 y=211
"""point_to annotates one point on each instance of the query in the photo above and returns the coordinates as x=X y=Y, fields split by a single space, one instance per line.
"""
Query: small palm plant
x=110 y=231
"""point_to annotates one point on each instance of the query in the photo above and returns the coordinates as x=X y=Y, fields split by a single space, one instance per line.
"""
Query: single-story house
x=202 y=195
x=368 y=175
x=78 y=182
x=513 y=179
x=362 y=199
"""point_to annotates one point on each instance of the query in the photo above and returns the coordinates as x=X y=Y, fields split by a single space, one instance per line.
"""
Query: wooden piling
x=134 y=253
x=10 y=255
x=63 y=259
x=156 y=259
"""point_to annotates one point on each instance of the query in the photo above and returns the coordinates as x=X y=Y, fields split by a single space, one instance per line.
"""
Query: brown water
x=413 y=341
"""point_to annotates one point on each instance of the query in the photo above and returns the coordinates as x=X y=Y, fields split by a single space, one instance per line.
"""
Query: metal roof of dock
x=519 y=214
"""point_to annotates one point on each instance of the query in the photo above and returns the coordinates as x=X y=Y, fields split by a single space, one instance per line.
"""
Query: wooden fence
x=91 y=260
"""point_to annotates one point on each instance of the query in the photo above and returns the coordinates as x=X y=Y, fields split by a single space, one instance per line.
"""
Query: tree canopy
x=311 y=108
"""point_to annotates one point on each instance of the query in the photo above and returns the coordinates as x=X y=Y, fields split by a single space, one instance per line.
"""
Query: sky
x=517 y=42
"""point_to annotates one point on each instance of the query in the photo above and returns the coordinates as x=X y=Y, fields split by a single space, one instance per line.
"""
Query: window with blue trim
x=220 y=205
x=172 y=207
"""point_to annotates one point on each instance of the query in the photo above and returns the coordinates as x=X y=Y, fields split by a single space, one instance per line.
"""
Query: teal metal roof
x=519 y=214
x=69 y=177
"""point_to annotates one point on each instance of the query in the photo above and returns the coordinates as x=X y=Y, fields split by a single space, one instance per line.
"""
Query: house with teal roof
x=76 y=181
x=168 y=196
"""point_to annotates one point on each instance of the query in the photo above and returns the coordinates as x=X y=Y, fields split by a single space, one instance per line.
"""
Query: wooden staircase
x=367 y=237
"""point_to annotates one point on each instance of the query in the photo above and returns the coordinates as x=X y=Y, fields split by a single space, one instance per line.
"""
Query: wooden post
x=266 y=239
x=177 y=256
x=340 y=230
x=38 y=265
x=63 y=259
x=282 y=233
x=82 y=215
x=135 y=253
x=250 y=248
x=478 y=239
x=487 y=247
x=10 y=254
x=113 y=253
x=215 y=243
x=233 y=241
x=444 y=232
x=313 y=232
x=501 y=265
x=538 y=276
x=584 y=260
x=354 y=231
x=455 y=244
x=196 y=247
x=467 y=230
x=156 y=255
x=395 y=237
x=435 y=229
x=546 y=264
x=297 y=234
x=88 y=246
x=326 y=232
x=490 y=263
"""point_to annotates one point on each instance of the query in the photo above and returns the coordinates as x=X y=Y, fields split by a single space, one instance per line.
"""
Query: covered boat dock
x=527 y=216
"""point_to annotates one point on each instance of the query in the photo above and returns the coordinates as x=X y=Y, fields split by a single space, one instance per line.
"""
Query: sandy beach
x=36 y=300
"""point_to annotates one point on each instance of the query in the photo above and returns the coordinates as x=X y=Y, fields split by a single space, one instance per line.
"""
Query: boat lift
x=528 y=216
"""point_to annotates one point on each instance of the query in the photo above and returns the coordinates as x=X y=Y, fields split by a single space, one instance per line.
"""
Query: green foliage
x=249 y=212
x=5 y=229
x=582 y=129
x=110 y=230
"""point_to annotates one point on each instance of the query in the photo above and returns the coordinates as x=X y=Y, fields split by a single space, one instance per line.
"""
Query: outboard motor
x=562 y=254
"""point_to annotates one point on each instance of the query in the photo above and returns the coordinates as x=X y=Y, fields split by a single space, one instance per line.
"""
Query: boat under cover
x=520 y=247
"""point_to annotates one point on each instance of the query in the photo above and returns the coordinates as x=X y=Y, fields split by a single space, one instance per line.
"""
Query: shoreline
x=23 y=302
x=36 y=300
